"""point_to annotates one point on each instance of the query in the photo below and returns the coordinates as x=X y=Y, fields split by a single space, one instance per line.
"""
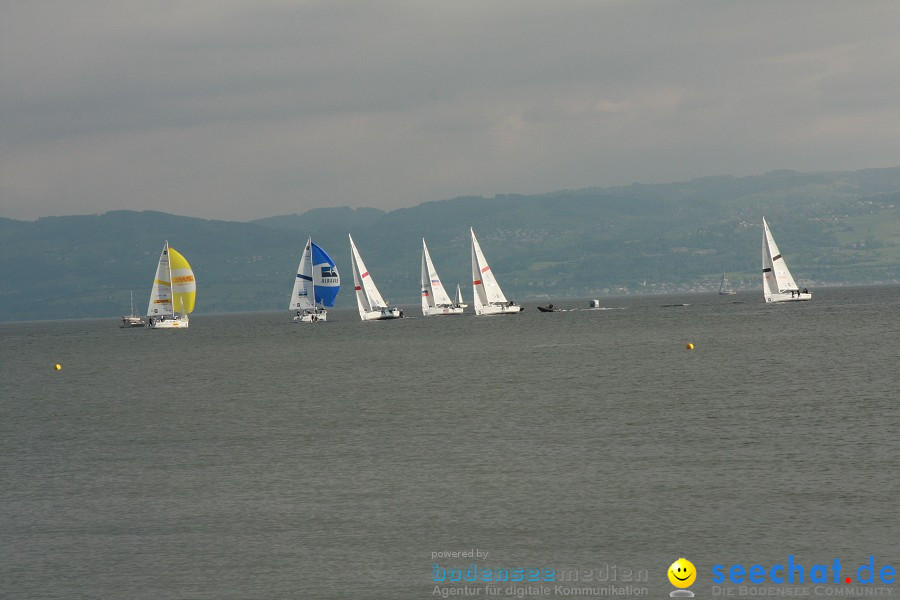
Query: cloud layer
x=240 y=110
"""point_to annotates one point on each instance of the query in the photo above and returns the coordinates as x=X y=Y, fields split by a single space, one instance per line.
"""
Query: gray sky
x=244 y=109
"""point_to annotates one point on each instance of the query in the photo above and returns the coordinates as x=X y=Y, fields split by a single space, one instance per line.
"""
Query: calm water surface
x=248 y=457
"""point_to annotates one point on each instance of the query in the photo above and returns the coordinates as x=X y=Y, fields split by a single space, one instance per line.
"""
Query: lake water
x=249 y=457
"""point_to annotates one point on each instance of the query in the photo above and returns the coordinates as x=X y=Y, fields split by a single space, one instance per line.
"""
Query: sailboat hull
x=380 y=315
x=319 y=316
x=495 y=309
x=788 y=298
x=435 y=311
x=180 y=322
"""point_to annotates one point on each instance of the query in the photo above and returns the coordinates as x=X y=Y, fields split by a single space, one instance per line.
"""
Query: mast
x=312 y=273
x=169 y=277
x=426 y=299
x=312 y=283
x=474 y=278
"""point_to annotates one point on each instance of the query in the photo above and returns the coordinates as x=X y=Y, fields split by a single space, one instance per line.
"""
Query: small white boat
x=315 y=286
x=435 y=300
x=131 y=320
x=489 y=298
x=778 y=283
x=725 y=288
x=372 y=306
x=174 y=285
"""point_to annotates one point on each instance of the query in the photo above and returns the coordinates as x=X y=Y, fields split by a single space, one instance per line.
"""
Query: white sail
x=487 y=290
x=368 y=299
x=427 y=297
x=432 y=288
x=459 y=297
x=131 y=319
x=778 y=283
x=303 y=294
x=435 y=300
x=779 y=275
x=161 y=292
x=489 y=298
x=724 y=287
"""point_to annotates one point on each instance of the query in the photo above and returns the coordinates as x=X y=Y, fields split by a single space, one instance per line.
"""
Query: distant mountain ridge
x=836 y=227
x=318 y=218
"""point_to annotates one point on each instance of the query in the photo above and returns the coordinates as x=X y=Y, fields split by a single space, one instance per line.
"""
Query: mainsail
x=776 y=276
x=487 y=290
x=303 y=293
x=367 y=296
x=433 y=292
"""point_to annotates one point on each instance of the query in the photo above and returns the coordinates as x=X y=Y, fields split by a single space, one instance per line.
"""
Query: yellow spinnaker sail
x=184 y=287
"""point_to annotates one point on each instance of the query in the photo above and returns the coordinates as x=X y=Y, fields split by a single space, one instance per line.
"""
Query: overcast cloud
x=246 y=109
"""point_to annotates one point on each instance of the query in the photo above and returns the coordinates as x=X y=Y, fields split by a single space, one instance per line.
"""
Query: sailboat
x=131 y=320
x=489 y=298
x=372 y=306
x=435 y=300
x=459 y=299
x=724 y=288
x=778 y=283
x=317 y=283
x=173 y=293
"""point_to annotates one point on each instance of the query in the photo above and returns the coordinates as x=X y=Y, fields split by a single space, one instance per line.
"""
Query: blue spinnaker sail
x=326 y=279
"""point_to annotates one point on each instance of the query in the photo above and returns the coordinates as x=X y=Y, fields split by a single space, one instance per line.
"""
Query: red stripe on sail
x=485 y=269
x=476 y=282
x=358 y=288
x=366 y=274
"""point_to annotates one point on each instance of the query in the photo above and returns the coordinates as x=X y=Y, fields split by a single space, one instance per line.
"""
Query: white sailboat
x=131 y=320
x=459 y=298
x=778 y=283
x=315 y=286
x=372 y=306
x=489 y=298
x=174 y=291
x=435 y=300
x=725 y=288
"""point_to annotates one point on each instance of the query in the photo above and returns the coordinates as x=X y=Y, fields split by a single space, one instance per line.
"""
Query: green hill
x=834 y=228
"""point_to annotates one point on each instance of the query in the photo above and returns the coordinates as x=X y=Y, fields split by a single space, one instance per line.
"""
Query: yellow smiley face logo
x=682 y=573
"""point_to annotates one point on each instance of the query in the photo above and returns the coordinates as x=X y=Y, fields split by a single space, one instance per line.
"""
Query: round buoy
x=57 y=366
x=689 y=346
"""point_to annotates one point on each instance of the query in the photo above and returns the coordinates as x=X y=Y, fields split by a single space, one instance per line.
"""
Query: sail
x=184 y=287
x=427 y=299
x=724 y=286
x=302 y=294
x=433 y=292
x=776 y=276
x=161 y=292
x=487 y=290
x=459 y=298
x=174 y=289
x=326 y=279
x=367 y=296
